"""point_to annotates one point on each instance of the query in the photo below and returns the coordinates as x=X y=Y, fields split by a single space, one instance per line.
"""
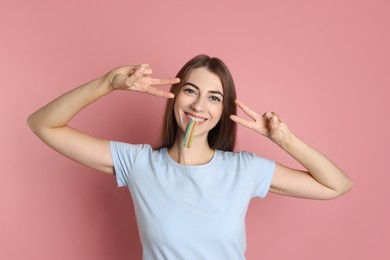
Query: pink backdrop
x=323 y=65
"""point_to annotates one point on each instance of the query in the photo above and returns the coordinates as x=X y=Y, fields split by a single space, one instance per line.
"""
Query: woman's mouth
x=196 y=119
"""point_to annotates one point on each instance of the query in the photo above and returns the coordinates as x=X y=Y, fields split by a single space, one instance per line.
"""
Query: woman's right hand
x=50 y=123
x=137 y=78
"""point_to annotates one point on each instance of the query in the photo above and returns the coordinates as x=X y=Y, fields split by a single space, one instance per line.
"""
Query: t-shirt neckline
x=169 y=159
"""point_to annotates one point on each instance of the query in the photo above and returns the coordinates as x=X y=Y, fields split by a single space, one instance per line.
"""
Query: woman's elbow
x=348 y=186
x=345 y=188
x=32 y=124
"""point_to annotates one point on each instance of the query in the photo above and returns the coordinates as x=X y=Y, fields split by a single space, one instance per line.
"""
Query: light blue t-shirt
x=191 y=212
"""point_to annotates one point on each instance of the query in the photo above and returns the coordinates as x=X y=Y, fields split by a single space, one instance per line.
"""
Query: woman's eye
x=216 y=99
x=189 y=91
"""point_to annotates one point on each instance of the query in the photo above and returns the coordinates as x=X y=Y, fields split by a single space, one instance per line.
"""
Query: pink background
x=323 y=65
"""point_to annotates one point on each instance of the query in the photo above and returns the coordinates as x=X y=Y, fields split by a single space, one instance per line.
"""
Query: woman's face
x=200 y=99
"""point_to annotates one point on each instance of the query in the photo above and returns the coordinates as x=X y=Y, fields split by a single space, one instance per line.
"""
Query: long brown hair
x=223 y=135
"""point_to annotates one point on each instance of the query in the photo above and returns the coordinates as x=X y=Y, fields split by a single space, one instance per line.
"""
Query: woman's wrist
x=108 y=79
x=287 y=142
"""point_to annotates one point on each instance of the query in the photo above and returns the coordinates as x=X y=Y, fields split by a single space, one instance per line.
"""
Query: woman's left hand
x=323 y=178
x=269 y=124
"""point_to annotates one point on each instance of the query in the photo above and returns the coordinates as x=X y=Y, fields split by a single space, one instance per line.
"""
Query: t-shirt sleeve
x=124 y=156
x=263 y=171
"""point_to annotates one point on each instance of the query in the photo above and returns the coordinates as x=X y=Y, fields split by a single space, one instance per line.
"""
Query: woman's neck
x=199 y=153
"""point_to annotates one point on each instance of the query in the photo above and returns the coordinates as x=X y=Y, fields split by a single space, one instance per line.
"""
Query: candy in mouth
x=191 y=128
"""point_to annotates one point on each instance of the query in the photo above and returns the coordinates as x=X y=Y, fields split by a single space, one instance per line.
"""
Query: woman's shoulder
x=136 y=151
x=236 y=155
x=245 y=157
x=246 y=161
x=125 y=147
x=123 y=144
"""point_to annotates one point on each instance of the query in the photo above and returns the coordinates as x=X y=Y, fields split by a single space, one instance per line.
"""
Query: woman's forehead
x=204 y=79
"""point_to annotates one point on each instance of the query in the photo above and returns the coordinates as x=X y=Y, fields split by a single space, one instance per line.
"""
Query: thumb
x=274 y=123
x=118 y=81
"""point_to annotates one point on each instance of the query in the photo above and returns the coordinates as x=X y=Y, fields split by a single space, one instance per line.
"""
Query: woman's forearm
x=318 y=165
x=58 y=112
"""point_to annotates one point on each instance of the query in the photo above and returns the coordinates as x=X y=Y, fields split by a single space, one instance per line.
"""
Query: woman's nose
x=198 y=104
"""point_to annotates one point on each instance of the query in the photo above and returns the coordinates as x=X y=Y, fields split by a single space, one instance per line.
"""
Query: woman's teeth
x=196 y=119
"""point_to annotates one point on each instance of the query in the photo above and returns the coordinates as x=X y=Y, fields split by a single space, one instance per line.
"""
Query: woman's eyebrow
x=195 y=86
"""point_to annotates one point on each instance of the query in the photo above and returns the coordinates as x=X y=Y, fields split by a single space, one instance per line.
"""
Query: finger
x=144 y=67
x=279 y=117
x=159 y=92
x=135 y=76
x=168 y=81
x=243 y=122
x=148 y=71
x=271 y=115
x=252 y=114
x=268 y=115
x=274 y=122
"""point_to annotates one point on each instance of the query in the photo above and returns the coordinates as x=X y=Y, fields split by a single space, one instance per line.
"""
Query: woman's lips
x=195 y=118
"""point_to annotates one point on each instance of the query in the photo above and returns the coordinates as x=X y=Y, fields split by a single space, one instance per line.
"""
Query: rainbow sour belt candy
x=191 y=128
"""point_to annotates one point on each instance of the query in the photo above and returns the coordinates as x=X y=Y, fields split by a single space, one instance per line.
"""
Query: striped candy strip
x=191 y=128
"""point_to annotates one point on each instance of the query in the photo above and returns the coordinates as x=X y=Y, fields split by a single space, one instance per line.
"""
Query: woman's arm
x=323 y=178
x=50 y=123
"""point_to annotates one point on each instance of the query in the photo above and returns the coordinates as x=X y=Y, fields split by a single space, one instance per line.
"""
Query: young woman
x=190 y=201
